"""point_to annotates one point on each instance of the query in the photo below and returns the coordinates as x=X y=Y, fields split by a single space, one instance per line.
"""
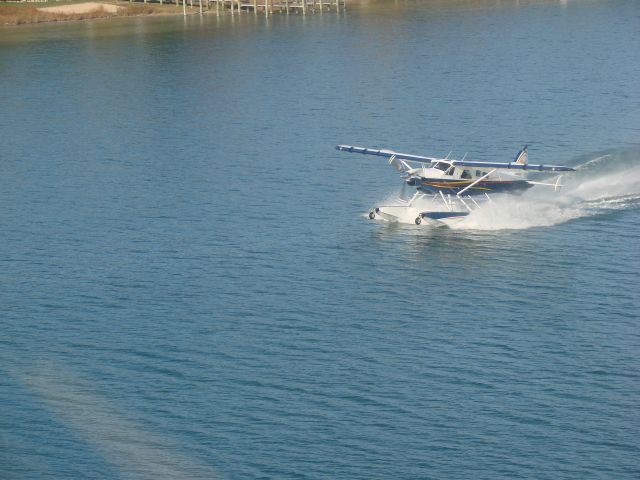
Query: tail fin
x=522 y=156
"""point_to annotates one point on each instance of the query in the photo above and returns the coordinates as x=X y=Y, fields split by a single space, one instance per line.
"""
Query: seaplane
x=448 y=190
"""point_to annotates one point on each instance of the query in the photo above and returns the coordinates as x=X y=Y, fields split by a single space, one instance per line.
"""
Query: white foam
x=509 y=213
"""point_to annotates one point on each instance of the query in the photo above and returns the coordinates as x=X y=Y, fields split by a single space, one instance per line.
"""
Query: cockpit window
x=441 y=166
x=465 y=174
x=479 y=173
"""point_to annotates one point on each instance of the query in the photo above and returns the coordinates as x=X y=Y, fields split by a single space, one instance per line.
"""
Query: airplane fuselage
x=447 y=186
x=443 y=177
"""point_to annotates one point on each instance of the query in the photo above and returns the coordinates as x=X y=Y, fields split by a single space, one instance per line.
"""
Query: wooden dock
x=266 y=7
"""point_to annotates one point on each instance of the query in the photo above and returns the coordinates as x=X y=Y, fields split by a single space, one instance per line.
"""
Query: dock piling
x=237 y=6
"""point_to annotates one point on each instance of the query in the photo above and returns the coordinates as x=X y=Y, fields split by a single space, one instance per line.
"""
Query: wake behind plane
x=455 y=187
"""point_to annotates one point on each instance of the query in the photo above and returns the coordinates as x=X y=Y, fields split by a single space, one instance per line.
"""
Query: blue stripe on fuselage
x=435 y=185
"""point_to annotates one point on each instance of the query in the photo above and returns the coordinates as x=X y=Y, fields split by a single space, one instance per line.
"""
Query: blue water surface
x=190 y=288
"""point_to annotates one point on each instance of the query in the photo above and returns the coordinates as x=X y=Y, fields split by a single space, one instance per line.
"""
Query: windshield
x=441 y=166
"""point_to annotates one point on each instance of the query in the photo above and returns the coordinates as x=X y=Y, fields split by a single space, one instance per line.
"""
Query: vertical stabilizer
x=523 y=156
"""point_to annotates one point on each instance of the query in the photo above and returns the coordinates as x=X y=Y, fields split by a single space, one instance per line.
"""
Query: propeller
x=405 y=192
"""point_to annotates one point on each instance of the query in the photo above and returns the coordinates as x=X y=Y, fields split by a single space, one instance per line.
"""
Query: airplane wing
x=386 y=153
x=456 y=163
x=512 y=166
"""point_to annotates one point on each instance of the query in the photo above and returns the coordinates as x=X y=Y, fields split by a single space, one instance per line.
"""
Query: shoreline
x=21 y=14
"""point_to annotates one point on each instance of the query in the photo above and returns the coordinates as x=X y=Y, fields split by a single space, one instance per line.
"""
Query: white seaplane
x=447 y=189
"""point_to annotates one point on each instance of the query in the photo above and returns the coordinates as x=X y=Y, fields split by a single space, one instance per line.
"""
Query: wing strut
x=474 y=183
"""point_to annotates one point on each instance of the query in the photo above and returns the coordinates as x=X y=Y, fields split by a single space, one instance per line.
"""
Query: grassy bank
x=24 y=13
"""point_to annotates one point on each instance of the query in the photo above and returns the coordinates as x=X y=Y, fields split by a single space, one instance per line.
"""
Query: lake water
x=190 y=288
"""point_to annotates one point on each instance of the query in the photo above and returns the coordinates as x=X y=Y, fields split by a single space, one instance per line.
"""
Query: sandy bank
x=80 y=8
x=27 y=14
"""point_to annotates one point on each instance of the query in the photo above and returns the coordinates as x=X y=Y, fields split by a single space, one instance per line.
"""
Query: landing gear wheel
x=372 y=215
x=418 y=220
